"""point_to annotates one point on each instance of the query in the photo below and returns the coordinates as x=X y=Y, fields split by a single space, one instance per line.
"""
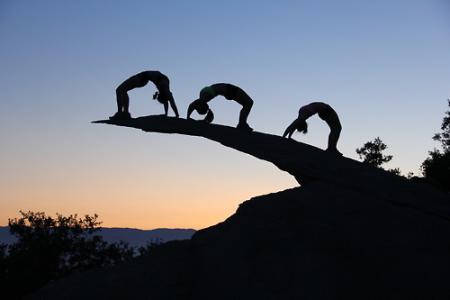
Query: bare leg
x=332 y=119
x=123 y=101
x=333 y=138
x=126 y=102
x=243 y=115
x=122 y=104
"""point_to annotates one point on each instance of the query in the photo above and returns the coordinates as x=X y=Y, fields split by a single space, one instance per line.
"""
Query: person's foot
x=334 y=151
x=120 y=116
x=245 y=127
x=126 y=115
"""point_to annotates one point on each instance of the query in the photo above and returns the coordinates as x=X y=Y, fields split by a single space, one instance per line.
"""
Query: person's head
x=302 y=126
x=200 y=106
x=162 y=97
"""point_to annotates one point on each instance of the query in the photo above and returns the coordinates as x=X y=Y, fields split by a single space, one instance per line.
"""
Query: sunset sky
x=383 y=65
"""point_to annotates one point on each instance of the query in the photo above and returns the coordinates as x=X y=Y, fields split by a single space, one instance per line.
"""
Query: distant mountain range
x=134 y=237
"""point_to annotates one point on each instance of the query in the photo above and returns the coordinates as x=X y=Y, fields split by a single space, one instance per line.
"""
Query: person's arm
x=209 y=117
x=290 y=129
x=190 y=110
x=174 y=107
x=166 y=108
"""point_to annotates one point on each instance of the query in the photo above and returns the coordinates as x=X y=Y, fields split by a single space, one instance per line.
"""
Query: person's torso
x=313 y=108
x=225 y=89
x=158 y=78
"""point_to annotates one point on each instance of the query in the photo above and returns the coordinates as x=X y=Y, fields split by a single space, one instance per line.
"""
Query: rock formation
x=350 y=231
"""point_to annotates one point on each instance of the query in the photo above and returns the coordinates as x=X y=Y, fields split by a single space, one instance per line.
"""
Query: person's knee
x=248 y=106
x=335 y=125
x=246 y=110
x=120 y=90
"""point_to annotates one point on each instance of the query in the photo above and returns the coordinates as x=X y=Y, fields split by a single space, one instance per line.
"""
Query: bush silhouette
x=436 y=168
x=49 y=248
x=372 y=153
x=444 y=136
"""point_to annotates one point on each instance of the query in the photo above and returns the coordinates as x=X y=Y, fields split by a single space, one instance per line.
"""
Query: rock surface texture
x=350 y=231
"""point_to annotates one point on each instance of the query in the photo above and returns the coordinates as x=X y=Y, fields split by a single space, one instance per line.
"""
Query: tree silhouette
x=396 y=171
x=372 y=153
x=436 y=168
x=444 y=136
x=49 y=248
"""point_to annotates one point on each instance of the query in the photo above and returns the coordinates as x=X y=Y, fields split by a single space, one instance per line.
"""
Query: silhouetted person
x=230 y=92
x=326 y=113
x=163 y=95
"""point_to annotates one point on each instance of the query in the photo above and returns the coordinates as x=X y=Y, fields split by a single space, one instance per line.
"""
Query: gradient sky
x=383 y=65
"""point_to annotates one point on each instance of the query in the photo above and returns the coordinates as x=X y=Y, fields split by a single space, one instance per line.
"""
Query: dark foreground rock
x=349 y=232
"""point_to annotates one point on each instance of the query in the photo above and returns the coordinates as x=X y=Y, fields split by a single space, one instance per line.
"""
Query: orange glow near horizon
x=144 y=201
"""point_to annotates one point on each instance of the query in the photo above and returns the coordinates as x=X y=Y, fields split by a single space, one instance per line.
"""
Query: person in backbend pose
x=163 y=95
x=230 y=92
x=326 y=113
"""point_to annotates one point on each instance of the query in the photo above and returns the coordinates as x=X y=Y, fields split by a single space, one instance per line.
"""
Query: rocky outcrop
x=303 y=161
x=306 y=163
x=349 y=232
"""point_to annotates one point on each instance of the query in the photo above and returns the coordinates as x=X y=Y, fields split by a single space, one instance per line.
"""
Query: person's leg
x=245 y=111
x=243 y=99
x=243 y=115
x=334 y=137
x=123 y=101
x=332 y=119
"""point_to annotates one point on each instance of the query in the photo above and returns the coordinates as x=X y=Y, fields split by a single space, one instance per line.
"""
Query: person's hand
x=289 y=130
x=287 y=133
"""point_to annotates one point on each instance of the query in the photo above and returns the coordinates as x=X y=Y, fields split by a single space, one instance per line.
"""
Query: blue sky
x=383 y=65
